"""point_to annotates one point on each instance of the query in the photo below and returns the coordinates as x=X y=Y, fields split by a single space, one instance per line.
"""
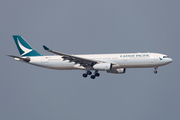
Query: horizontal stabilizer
x=27 y=59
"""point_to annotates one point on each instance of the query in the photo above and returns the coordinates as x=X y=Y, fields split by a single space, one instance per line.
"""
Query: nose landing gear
x=155 y=71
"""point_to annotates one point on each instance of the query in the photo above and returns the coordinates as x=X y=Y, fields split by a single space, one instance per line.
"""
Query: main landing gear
x=96 y=74
x=155 y=71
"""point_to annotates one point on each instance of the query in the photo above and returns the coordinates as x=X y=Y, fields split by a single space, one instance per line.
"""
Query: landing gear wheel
x=92 y=77
x=84 y=75
x=89 y=72
x=97 y=74
x=155 y=71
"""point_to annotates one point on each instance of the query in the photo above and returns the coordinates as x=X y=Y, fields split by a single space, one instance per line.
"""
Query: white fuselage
x=126 y=60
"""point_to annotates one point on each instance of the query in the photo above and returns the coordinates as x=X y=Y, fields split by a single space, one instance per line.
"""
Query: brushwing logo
x=160 y=58
x=26 y=50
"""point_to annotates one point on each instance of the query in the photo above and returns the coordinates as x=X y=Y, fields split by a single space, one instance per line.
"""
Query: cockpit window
x=165 y=56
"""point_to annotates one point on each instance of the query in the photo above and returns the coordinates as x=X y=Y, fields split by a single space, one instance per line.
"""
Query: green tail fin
x=24 y=48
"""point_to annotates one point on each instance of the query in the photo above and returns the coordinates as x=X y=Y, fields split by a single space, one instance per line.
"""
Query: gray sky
x=96 y=26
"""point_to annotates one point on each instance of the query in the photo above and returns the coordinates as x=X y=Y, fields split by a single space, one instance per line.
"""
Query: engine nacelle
x=117 y=71
x=103 y=66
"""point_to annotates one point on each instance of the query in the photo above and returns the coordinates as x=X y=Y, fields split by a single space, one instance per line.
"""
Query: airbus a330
x=112 y=63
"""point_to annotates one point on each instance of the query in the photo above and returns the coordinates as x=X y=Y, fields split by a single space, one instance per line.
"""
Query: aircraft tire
x=89 y=72
x=84 y=75
x=92 y=77
x=97 y=74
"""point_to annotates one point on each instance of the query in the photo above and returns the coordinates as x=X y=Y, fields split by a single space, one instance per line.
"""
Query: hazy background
x=86 y=27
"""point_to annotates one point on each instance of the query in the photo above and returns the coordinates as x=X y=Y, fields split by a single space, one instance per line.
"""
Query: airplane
x=112 y=63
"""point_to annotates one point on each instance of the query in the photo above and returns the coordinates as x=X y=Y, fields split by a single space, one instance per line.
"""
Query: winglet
x=46 y=48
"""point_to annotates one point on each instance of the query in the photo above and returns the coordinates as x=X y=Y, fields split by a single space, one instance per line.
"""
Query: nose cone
x=170 y=60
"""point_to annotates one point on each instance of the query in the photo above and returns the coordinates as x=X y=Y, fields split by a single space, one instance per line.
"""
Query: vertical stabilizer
x=24 y=48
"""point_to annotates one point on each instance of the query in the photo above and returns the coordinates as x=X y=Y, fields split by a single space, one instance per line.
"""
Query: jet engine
x=103 y=66
x=117 y=71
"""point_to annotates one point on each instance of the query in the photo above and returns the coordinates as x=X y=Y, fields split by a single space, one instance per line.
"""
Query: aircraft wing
x=78 y=60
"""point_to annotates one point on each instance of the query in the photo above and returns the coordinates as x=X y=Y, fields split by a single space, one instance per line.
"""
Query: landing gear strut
x=155 y=71
x=96 y=73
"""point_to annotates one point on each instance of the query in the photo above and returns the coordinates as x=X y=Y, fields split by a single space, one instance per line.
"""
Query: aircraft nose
x=170 y=60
